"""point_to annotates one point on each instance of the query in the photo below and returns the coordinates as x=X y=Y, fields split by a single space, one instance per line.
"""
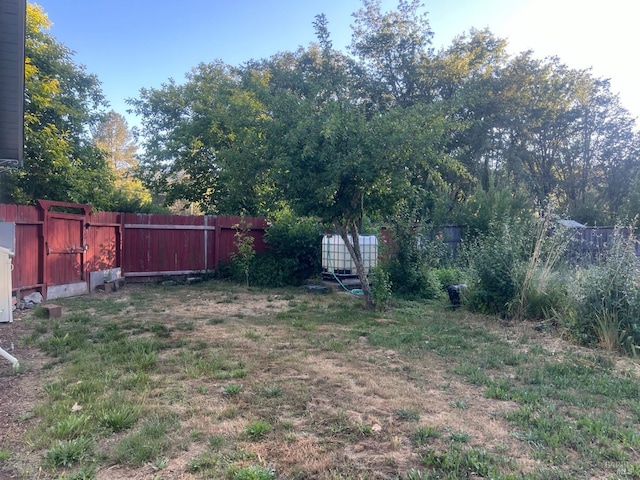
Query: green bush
x=516 y=270
x=449 y=276
x=606 y=300
x=494 y=259
x=298 y=240
x=293 y=254
x=413 y=256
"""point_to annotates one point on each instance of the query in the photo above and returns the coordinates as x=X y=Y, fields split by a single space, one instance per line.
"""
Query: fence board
x=27 y=262
x=104 y=239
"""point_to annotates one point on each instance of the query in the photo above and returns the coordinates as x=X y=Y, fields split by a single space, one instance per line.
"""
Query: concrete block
x=112 y=285
x=52 y=311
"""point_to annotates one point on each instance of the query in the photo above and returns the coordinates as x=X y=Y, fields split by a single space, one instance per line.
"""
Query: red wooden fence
x=157 y=245
x=64 y=249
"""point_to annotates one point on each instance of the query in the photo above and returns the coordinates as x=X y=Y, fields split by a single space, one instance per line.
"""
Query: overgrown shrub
x=514 y=269
x=412 y=258
x=293 y=254
x=606 y=300
x=298 y=240
x=449 y=276
x=494 y=258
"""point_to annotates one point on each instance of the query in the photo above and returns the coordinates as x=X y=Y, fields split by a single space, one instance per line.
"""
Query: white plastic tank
x=337 y=260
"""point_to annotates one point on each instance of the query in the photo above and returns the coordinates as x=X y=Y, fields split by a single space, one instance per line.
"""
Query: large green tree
x=62 y=102
x=203 y=140
x=341 y=153
x=536 y=126
x=566 y=136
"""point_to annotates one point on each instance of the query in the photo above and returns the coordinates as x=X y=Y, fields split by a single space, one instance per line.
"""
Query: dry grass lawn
x=339 y=402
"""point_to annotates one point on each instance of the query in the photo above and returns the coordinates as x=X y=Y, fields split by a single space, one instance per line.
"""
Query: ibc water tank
x=337 y=260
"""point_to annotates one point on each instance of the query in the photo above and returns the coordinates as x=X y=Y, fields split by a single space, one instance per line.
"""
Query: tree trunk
x=353 y=246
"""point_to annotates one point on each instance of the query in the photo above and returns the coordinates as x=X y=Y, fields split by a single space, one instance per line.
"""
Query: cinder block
x=112 y=285
x=53 y=311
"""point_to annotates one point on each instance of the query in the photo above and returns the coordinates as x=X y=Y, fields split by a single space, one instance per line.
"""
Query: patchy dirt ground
x=19 y=393
x=353 y=388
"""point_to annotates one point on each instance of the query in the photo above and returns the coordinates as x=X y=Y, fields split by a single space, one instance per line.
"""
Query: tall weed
x=515 y=268
x=541 y=288
x=494 y=259
x=606 y=300
x=381 y=288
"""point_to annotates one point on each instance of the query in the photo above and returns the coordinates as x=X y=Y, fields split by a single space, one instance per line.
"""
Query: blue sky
x=133 y=44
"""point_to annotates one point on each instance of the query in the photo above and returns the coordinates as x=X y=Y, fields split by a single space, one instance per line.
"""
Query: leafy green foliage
x=486 y=207
x=293 y=255
x=113 y=137
x=494 y=259
x=381 y=287
x=469 y=134
x=62 y=102
x=297 y=243
x=514 y=269
x=605 y=300
x=204 y=140
x=245 y=252
x=413 y=256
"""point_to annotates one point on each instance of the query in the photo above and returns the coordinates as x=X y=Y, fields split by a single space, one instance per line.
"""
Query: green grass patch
x=150 y=442
x=69 y=452
x=4 y=455
x=257 y=429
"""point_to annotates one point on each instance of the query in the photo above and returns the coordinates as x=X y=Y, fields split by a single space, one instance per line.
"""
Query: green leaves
x=61 y=102
x=204 y=139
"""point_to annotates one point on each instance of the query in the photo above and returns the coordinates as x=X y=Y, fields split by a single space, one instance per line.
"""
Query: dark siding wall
x=12 y=32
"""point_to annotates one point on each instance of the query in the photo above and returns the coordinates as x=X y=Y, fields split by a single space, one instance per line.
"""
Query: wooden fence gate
x=66 y=249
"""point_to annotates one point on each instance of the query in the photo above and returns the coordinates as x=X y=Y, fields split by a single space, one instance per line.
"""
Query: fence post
x=216 y=242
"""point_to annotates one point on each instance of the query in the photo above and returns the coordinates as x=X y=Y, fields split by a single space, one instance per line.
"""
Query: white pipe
x=11 y=358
